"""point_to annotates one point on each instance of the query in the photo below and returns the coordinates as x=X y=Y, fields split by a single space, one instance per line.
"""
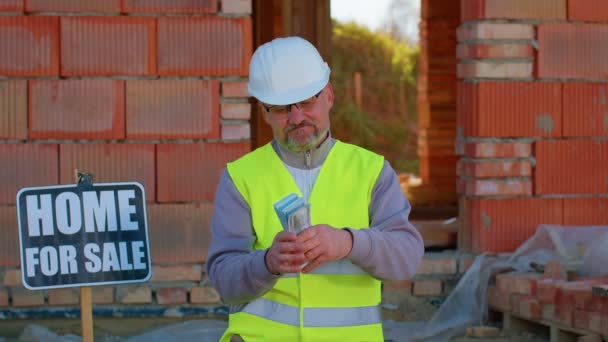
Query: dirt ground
x=119 y=329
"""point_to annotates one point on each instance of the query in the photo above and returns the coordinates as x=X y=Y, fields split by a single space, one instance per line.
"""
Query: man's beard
x=312 y=141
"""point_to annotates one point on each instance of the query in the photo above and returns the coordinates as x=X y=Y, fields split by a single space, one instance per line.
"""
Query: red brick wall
x=533 y=112
x=149 y=90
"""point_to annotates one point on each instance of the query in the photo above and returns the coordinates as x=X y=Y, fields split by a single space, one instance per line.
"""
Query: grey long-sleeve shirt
x=390 y=250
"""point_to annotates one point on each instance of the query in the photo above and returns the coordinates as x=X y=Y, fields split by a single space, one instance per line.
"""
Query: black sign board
x=82 y=235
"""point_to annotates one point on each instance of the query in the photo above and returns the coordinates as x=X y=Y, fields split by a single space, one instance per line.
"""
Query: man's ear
x=265 y=114
x=330 y=94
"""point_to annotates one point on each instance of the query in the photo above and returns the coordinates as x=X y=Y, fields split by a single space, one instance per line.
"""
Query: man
x=322 y=284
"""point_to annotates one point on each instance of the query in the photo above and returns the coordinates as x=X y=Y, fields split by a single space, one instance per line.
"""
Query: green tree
x=387 y=112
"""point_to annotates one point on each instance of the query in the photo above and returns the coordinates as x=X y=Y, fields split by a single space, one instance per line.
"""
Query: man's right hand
x=286 y=255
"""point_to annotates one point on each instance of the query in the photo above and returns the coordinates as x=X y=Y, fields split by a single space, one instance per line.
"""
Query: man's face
x=301 y=129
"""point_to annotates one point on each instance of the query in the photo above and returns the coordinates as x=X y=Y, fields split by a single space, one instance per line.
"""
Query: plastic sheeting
x=583 y=248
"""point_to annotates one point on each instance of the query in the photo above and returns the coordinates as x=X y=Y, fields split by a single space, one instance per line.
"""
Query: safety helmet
x=286 y=70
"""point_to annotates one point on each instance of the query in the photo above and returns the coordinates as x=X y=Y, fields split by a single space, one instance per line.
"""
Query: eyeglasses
x=283 y=110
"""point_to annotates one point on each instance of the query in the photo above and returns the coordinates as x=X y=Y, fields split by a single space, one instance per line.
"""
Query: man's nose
x=296 y=116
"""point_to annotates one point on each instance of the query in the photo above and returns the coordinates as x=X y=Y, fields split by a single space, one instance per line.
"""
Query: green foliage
x=388 y=110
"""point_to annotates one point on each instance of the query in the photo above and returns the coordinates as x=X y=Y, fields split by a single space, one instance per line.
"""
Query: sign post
x=83 y=235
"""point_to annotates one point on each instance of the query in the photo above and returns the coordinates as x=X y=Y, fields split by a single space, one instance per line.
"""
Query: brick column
x=532 y=118
x=437 y=102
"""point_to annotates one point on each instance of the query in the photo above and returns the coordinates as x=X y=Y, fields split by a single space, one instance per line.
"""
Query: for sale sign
x=82 y=235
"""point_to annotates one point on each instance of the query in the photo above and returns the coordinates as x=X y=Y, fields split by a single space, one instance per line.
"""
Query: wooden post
x=86 y=313
x=86 y=303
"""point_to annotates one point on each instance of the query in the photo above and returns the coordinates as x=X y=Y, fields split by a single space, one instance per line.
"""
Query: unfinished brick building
x=513 y=120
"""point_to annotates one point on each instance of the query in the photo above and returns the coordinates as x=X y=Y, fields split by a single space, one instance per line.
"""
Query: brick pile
x=553 y=297
x=532 y=122
x=129 y=90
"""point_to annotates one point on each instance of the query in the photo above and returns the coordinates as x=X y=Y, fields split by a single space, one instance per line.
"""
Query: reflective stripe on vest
x=342 y=266
x=313 y=317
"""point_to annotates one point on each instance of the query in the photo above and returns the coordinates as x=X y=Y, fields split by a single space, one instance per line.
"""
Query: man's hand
x=286 y=255
x=323 y=243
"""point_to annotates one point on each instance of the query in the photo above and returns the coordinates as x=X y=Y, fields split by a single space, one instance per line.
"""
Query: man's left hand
x=323 y=243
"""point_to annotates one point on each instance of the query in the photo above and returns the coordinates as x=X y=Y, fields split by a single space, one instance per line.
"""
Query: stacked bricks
x=128 y=90
x=437 y=100
x=579 y=303
x=532 y=118
x=436 y=277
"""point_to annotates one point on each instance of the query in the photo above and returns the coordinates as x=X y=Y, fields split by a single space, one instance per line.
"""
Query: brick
x=11 y=6
x=26 y=165
x=515 y=299
x=508 y=70
x=76 y=109
x=585 y=109
x=587 y=10
x=402 y=287
x=498 y=299
x=133 y=295
x=437 y=266
x=13 y=109
x=495 y=31
x=174 y=6
x=238 y=111
x=527 y=283
x=9 y=230
x=26 y=298
x=204 y=295
x=235 y=89
x=173 y=109
x=179 y=233
x=107 y=46
x=525 y=9
x=471 y=10
x=547 y=290
x=12 y=278
x=531 y=308
x=555 y=269
x=572 y=51
x=427 y=287
x=177 y=273
x=505 y=282
x=172 y=295
x=492 y=187
x=103 y=295
x=3 y=298
x=514 y=109
x=581 y=320
x=67 y=296
x=598 y=323
x=236 y=6
x=438 y=11
x=494 y=228
x=190 y=172
x=208 y=46
x=29 y=46
x=479 y=51
x=564 y=315
x=498 y=150
x=585 y=211
x=571 y=167
x=486 y=169
x=236 y=132
x=106 y=6
x=110 y=163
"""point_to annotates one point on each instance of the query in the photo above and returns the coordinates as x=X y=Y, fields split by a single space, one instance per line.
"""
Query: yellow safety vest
x=338 y=301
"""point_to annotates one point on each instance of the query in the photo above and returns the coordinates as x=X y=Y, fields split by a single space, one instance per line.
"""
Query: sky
x=372 y=13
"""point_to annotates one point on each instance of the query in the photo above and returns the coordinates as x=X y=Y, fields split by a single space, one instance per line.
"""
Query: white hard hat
x=287 y=70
